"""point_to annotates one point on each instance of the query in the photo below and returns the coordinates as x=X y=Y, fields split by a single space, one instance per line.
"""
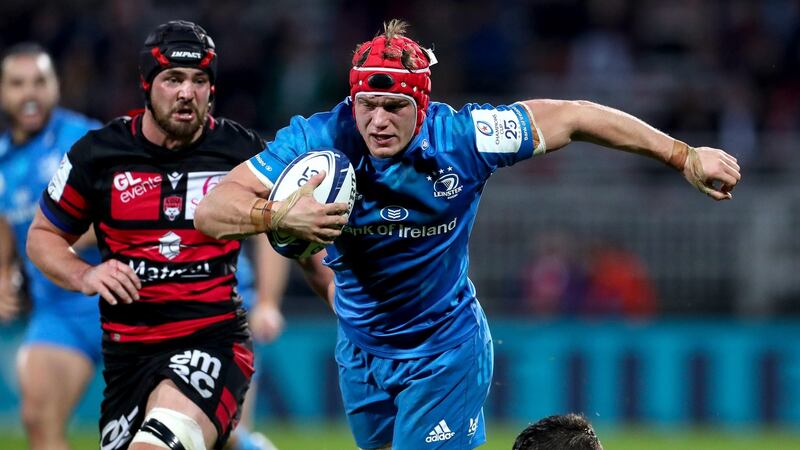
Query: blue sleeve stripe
x=255 y=168
x=53 y=218
x=266 y=167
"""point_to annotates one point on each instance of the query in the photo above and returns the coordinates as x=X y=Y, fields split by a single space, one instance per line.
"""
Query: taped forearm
x=684 y=159
x=679 y=155
x=261 y=214
x=227 y=212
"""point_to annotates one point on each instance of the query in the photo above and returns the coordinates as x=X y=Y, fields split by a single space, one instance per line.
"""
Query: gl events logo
x=132 y=185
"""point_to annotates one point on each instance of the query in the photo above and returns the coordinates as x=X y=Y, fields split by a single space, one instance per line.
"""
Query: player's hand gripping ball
x=339 y=186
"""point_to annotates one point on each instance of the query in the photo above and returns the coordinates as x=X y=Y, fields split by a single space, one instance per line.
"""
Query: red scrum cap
x=393 y=64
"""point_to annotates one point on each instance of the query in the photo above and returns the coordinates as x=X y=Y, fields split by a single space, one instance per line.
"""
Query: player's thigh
x=206 y=382
x=53 y=379
x=369 y=409
x=441 y=406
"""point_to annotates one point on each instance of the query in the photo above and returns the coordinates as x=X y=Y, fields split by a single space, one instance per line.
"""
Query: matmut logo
x=136 y=195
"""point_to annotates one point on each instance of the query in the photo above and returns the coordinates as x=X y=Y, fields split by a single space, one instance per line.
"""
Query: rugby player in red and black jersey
x=177 y=352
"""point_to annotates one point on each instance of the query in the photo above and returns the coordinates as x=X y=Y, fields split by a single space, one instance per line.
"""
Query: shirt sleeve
x=322 y=130
x=66 y=200
x=500 y=136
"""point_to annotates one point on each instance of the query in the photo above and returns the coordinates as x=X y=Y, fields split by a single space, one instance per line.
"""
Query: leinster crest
x=173 y=205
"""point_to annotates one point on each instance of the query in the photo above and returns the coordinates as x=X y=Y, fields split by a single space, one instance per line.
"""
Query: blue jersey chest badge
x=446 y=183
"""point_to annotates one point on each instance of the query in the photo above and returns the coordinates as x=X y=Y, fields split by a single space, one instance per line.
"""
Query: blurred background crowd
x=582 y=231
x=691 y=66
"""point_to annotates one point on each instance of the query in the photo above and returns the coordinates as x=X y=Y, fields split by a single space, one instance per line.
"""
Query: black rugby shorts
x=213 y=371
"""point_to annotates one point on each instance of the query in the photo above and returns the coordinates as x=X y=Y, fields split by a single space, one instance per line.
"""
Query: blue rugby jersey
x=25 y=171
x=401 y=264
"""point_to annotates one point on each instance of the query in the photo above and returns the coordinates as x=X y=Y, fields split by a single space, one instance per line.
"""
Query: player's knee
x=37 y=418
x=170 y=429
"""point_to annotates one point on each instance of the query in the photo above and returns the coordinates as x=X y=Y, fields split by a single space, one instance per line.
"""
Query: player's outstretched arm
x=710 y=170
x=50 y=250
x=237 y=207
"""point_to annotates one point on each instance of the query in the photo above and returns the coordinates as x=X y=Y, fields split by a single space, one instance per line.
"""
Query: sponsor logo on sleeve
x=259 y=168
x=497 y=131
x=55 y=189
x=484 y=127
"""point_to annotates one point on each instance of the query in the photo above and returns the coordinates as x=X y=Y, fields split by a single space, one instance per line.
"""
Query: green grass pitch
x=296 y=436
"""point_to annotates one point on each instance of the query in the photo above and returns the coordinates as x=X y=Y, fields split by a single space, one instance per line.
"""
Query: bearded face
x=180 y=102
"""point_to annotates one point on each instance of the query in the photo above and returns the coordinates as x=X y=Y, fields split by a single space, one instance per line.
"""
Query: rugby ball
x=339 y=186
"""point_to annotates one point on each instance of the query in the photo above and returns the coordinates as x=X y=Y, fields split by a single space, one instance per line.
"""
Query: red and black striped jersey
x=141 y=199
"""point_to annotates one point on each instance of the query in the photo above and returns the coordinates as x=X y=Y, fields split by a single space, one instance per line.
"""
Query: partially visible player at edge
x=59 y=354
x=177 y=352
x=558 y=432
x=414 y=350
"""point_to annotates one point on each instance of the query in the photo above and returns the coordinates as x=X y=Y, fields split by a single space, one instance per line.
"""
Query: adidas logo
x=441 y=432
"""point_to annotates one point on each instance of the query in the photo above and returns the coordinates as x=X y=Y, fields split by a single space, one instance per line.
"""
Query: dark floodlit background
x=613 y=288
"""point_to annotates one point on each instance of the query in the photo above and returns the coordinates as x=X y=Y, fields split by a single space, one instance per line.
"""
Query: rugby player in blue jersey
x=414 y=349
x=62 y=343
